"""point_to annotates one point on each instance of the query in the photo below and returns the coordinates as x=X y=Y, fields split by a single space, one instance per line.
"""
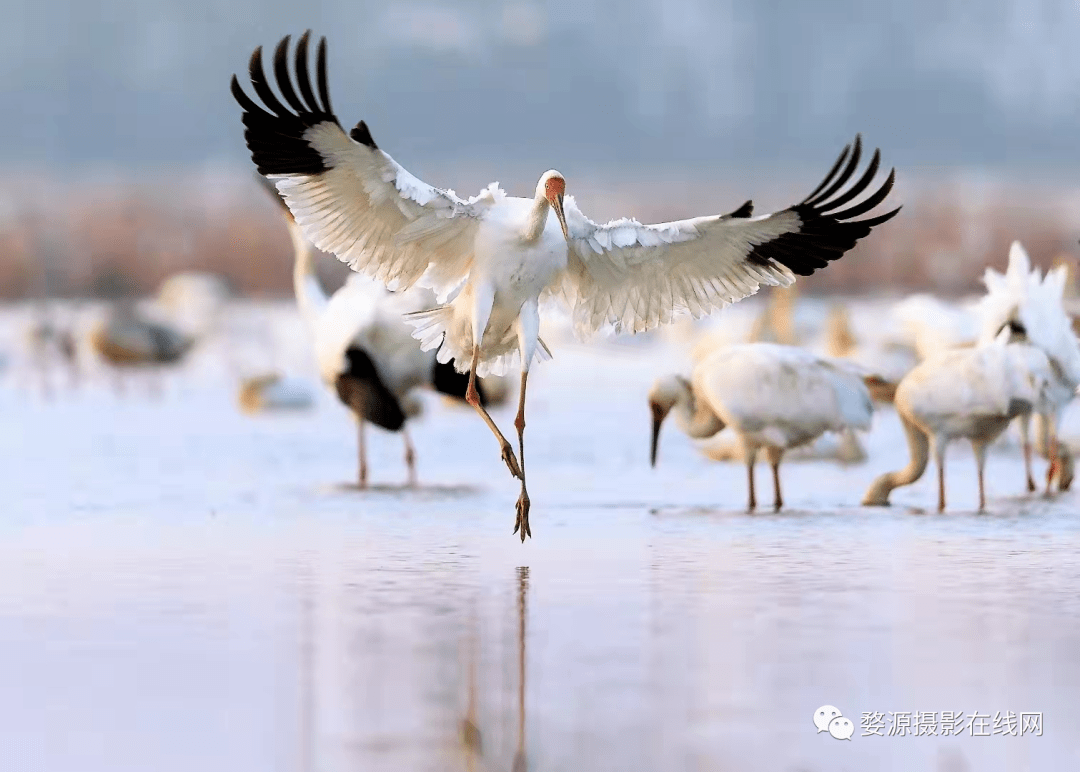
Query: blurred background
x=123 y=161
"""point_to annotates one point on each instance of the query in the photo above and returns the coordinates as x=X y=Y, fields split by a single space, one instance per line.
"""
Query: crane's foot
x=511 y=461
x=522 y=522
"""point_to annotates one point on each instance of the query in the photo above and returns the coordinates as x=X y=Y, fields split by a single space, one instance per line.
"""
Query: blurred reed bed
x=114 y=236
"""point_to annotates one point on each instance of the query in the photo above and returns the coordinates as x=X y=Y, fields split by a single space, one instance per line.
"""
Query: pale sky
x=670 y=84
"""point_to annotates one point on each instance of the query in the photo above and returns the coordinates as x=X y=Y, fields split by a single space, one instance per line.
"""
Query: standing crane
x=364 y=350
x=774 y=397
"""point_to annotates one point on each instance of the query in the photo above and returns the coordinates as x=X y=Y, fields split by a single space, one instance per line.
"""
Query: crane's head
x=552 y=186
x=663 y=396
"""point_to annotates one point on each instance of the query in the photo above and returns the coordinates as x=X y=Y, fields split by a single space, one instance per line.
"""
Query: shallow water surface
x=184 y=588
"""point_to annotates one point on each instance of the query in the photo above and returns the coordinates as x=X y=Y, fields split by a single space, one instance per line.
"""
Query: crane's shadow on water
x=405 y=491
x=761 y=513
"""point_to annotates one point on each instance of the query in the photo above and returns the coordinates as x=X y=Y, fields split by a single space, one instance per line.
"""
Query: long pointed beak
x=658 y=415
x=557 y=205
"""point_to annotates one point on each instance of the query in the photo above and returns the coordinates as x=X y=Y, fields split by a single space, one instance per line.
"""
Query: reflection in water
x=470 y=728
x=470 y=731
x=520 y=764
x=699 y=641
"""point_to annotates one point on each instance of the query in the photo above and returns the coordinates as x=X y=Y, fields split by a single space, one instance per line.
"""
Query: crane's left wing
x=633 y=277
x=349 y=197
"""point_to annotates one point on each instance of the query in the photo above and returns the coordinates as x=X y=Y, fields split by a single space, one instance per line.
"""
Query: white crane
x=1023 y=298
x=970 y=393
x=774 y=397
x=364 y=349
x=492 y=257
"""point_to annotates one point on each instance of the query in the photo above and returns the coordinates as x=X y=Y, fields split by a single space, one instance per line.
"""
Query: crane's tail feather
x=429 y=327
x=432 y=327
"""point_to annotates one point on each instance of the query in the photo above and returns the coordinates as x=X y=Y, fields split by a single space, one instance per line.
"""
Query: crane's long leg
x=410 y=456
x=750 y=455
x=980 y=459
x=361 y=449
x=528 y=335
x=472 y=396
x=1025 y=436
x=1051 y=451
x=775 y=454
x=939 y=458
x=523 y=503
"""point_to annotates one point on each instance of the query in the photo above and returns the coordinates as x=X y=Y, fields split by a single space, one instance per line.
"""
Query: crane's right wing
x=349 y=197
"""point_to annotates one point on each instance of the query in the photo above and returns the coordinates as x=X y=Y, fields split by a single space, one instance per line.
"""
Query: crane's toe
x=522 y=522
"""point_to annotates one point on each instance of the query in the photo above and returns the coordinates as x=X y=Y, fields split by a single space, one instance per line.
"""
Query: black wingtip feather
x=832 y=173
x=320 y=73
x=362 y=134
x=275 y=133
x=281 y=74
x=303 y=77
x=824 y=234
x=744 y=211
x=842 y=180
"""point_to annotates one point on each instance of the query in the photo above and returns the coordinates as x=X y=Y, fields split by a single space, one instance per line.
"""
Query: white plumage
x=364 y=349
x=492 y=257
x=1033 y=306
x=774 y=397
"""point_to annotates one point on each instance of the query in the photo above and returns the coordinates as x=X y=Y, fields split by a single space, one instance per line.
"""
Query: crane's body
x=519 y=252
x=364 y=350
x=966 y=393
x=490 y=258
x=774 y=397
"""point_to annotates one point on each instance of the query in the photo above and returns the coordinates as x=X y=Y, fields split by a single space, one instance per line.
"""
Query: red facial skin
x=554 y=188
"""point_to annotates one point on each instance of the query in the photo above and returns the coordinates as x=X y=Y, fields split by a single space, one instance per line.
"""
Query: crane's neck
x=695 y=417
x=537 y=219
x=877 y=495
x=310 y=296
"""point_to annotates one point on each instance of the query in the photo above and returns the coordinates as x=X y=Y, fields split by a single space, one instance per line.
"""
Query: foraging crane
x=1022 y=298
x=775 y=397
x=491 y=258
x=970 y=393
x=126 y=338
x=364 y=350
